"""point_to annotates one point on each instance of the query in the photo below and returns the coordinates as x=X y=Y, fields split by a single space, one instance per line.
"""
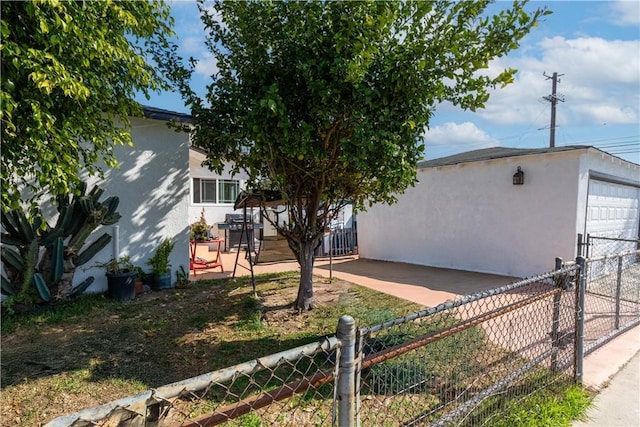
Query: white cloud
x=592 y=60
x=601 y=113
x=626 y=12
x=207 y=65
x=188 y=24
x=191 y=45
x=599 y=80
x=465 y=134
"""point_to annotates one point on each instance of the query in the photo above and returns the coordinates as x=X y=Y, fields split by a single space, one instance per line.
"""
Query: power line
x=624 y=151
x=613 y=139
x=628 y=144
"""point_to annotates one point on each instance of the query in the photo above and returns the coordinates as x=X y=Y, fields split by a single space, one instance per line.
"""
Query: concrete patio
x=423 y=285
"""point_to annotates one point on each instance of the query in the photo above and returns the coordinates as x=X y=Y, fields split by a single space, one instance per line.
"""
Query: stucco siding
x=153 y=185
x=471 y=217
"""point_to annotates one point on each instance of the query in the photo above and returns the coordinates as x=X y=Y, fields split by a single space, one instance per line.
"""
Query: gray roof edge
x=492 y=153
x=165 y=115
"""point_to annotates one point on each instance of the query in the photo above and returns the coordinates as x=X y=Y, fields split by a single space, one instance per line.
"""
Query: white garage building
x=467 y=213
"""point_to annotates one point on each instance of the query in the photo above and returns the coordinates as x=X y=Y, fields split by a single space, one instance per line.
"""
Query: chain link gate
x=612 y=297
x=595 y=246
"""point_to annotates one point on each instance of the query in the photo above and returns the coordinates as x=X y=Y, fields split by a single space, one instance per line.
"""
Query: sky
x=593 y=46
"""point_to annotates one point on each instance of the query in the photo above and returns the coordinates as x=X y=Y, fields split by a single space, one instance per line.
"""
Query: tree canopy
x=327 y=102
x=70 y=71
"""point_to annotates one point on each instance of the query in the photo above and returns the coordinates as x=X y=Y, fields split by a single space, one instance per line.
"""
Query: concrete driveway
x=427 y=286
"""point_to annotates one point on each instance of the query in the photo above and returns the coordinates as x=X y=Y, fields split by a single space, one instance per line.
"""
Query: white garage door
x=613 y=210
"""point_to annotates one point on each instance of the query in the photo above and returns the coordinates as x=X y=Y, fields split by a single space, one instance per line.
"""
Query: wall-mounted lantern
x=518 y=177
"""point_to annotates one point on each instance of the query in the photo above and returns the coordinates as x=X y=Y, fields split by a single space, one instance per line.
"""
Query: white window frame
x=197 y=193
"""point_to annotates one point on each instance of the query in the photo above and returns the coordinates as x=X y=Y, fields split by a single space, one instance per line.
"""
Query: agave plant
x=40 y=260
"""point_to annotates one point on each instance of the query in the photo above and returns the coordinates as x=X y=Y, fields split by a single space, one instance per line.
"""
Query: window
x=208 y=191
x=215 y=190
x=228 y=190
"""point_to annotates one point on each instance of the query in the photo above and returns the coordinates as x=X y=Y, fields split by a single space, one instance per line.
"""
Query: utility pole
x=553 y=99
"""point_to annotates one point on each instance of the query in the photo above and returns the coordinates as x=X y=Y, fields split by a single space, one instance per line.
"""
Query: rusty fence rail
x=293 y=387
x=463 y=362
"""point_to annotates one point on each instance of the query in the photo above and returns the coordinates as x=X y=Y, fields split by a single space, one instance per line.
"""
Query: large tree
x=326 y=102
x=70 y=71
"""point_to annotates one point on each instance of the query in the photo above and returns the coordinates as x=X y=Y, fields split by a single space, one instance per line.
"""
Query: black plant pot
x=122 y=286
x=161 y=281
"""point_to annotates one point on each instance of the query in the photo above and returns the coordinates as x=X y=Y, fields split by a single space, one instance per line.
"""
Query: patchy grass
x=93 y=350
x=556 y=405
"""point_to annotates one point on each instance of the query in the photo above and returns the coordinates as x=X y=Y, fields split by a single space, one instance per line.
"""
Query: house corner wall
x=153 y=186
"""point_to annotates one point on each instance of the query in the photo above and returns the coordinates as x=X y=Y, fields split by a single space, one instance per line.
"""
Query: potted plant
x=142 y=279
x=121 y=278
x=160 y=267
x=199 y=230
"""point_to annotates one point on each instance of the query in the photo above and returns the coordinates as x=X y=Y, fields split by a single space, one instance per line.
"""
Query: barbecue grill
x=232 y=227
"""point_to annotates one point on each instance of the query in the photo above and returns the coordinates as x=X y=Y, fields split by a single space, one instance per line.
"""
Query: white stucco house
x=163 y=188
x=153 y=186
x=466 y=213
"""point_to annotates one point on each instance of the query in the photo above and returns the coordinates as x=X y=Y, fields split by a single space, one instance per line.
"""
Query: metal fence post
x=579 y=342
x=556 y=317
x=360 y=343
x=618 y=292
x=330 y=253
x=346 y=333
x=580 y=244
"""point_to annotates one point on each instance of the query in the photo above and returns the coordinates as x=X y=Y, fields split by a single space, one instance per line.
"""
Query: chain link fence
x=466 y=362
x=462 y=362
x=291 y=388
x=612 y=297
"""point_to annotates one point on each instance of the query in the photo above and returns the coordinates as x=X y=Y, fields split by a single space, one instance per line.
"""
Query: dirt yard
x=95 y=350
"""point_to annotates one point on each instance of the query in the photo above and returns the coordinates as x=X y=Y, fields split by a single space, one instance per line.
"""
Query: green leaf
x=81 y=287
x=12 y=258
x=41 y=286
x=6 y=287
x=62 y=91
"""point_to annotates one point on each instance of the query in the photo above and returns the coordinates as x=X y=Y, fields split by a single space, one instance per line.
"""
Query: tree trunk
x=305 y=299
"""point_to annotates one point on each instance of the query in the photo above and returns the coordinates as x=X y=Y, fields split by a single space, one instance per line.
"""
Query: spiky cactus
x=41 y=258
